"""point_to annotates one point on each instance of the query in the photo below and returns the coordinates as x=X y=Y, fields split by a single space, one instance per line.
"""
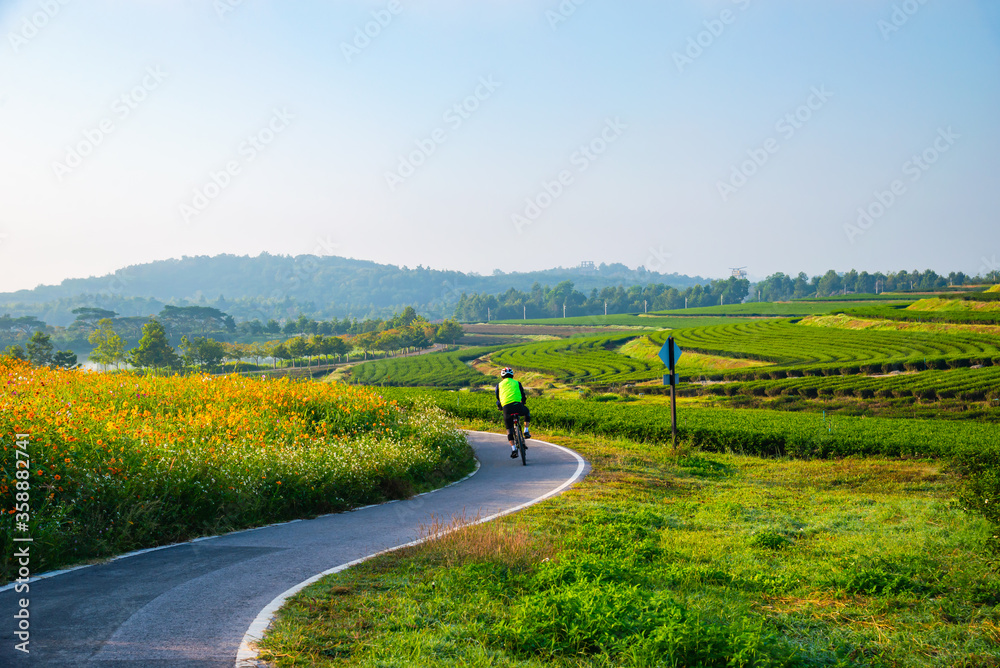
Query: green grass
x=766 y=309
x=753 y=432
x=678 y=320
x=796 y=345
x=448 y=369
x=687 y=560
x=965 y=384
x=589 y=360
x=957 y=315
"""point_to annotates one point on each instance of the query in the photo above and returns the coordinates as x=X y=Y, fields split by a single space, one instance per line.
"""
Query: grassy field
x=741 y=349
x=120 y=461
x=771 y=309
x=450 y=369
x=750 y=432
x=674 y=559
x=677 y=320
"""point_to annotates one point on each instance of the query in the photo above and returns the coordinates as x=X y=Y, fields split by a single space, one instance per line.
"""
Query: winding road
x=200 y=604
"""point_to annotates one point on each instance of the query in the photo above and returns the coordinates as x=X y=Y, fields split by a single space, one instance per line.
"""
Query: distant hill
x=277 y=286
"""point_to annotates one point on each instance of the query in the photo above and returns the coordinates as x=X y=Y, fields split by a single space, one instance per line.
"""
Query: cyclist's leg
x=508 y=422
x=527 y=419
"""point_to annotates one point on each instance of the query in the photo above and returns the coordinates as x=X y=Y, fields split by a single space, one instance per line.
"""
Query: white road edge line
x=136 y=553
x=247 y=655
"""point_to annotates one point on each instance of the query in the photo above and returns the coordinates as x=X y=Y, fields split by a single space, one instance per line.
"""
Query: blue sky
x=689 y=136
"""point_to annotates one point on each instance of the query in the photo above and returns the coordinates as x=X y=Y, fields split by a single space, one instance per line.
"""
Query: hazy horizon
x=521 y=135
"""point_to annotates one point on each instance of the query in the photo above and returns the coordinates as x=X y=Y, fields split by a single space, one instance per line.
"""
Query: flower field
x=120 y=461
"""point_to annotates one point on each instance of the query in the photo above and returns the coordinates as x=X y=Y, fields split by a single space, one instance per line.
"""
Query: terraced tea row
x=589 y=360
x=794 y=345
x=746 y=431
x=449 y=369
x=965 y=384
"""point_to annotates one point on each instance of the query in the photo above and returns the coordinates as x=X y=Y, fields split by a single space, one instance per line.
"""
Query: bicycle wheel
x=521 y=445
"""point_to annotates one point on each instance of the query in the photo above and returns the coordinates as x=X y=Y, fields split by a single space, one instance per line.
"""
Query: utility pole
x=564 y=310
x=605 y=309
x=645 y=306
x=525 y=312
x=487 y=314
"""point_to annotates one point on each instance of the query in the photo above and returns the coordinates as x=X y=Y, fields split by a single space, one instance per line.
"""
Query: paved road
x=190 y=605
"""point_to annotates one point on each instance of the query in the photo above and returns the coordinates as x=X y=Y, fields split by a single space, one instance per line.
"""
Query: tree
x=202 y=352
x=366 y=342
x=830 y=284
x=39 y=349
x=280 y=352
x=388 y=341
x=801 y=285
x=234 y=352
x=109 y=348
x=256 y=351
x=15 y=352
x=90 y=316
x=297 y=347
x=65 y=359
x=337 y=346
x=186 y=319
x=154 y=350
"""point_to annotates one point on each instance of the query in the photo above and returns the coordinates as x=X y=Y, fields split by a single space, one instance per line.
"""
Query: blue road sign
x=665 y=353
x=667 y=378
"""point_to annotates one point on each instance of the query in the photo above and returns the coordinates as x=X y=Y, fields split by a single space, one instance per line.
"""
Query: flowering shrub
x=121 y=461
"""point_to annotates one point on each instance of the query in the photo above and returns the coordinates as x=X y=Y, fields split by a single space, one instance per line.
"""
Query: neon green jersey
x=509 y=391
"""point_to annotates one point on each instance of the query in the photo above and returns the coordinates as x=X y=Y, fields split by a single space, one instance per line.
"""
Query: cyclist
x=511 y=398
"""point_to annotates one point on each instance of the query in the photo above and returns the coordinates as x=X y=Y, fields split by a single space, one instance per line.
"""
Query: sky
x=689 y=136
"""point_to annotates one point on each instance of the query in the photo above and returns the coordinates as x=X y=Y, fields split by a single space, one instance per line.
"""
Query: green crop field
x=767 y=309
x=817 y=349
x=957 y=316
x=586 y=360
x=745 y=431
x=791 y=349
x=626 y=320
x=431 y=370
x=965 y=384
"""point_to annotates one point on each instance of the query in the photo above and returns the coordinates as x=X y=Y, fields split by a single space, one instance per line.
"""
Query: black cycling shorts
x=516 y=408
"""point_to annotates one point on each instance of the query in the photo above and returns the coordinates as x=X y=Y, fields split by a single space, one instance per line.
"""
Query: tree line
x=779 y=287
x=199 y=349
x=565 y=299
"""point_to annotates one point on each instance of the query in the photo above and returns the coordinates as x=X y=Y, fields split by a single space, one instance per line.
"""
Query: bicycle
x=519 y=439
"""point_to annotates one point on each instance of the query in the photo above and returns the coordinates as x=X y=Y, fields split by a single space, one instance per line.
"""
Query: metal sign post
x=670 y=353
